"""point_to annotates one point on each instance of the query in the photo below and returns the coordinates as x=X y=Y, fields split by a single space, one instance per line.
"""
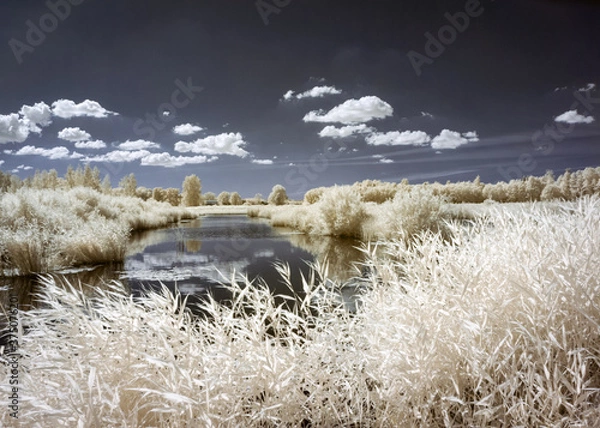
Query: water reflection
x=197 y=256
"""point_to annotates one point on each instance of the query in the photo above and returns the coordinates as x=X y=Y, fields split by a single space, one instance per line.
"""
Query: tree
x=235 y=199
x=210 y=196
x=278 y=195
x=159 y=194
x=191 y=191
x=128 y=184
x=223 y=198
x=172 y=196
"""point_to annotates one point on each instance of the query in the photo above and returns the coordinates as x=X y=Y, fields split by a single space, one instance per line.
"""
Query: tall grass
x=46 y=230
x=498 y=327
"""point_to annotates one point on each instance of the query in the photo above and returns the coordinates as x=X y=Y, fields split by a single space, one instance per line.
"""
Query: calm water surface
x=196 y=257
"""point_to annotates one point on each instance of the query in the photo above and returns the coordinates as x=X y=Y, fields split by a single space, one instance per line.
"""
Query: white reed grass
x=498 y=327
x=46 y=230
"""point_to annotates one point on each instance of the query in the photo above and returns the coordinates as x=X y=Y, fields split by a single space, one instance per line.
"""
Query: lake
x=195 y=257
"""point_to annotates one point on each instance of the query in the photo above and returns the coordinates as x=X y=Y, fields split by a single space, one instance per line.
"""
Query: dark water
x=196 y=257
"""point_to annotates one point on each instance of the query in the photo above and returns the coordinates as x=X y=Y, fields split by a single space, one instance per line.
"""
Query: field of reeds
x=492 y=324
x=43 y=230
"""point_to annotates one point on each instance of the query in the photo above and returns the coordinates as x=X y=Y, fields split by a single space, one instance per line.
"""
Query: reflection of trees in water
x=25 y=288
x=341 y=254
x=193 y=245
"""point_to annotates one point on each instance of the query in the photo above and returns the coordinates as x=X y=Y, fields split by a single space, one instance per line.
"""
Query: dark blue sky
x=427 y=90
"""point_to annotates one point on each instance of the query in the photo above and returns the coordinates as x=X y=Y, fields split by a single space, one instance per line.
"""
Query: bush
x=223 y=198
x=340 y=212
x=412 y=213
x=235 y=199
x=278 y=195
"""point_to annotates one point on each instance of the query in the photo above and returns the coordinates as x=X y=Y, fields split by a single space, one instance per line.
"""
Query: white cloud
x=74 y=135
x=187 y=129
x=319 y=92
x=385 y=160
x=344 y=131
x=168 y=161
x=119 y=156
x=426 y=114
x=471 y=136
x=396 y=138
x=38 y=115
x=13 y=129
x=138 y=145
x=263 y=161
x=316 y=92
x=94 y=144
x=353 y=111
x=67 y=109
x=59 y=152
x=1 y=161
x=587 y=88
x=222 y=144
x=450 y=140
x=573 y=117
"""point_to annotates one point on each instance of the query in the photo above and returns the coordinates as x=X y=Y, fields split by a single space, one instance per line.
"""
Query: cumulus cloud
x=353 y=111
x=13 y=129
x=74 y=135
x=262 y=161
x=37 y=116
x=345 y=131
x=59 y=152
x=138 y=145
x=573 y=117
x=385 y=160
x=452 y=139
x=94 y=144
x=168 y=161
x=471 y=136
x=187 y=129
x=67 y=109
x=222 y=144
x=288 y=95
x=397 y=138
x=117 y=156
x=427 y=115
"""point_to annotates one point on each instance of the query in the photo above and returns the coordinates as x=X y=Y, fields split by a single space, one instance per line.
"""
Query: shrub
x=223 y=198
x=412 y=213
x=278 y=195
x=235 y=199
x=340 y=212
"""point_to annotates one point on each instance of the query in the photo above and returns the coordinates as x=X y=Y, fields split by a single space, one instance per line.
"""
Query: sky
x=303 y=93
